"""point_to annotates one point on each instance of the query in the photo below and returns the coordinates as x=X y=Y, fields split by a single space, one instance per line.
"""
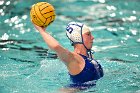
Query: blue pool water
x=27 y=65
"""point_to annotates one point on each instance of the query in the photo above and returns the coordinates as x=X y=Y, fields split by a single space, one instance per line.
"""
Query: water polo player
x=80 y=63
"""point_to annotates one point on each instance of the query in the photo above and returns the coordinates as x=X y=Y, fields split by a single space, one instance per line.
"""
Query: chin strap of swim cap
x=89 y=51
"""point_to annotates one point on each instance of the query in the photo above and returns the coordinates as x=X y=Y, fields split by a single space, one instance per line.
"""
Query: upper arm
x=65 y=55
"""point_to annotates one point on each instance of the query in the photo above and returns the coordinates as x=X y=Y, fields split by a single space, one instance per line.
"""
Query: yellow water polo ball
x=42 y=14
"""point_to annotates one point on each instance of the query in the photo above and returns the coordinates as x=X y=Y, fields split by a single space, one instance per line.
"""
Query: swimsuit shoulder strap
x=83 y=56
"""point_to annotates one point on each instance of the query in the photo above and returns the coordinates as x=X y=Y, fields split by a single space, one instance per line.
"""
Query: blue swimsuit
x=89 y=73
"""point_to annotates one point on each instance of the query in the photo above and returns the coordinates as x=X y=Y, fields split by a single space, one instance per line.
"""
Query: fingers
x=39 y=28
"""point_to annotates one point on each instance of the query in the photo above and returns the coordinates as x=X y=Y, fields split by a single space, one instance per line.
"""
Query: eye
x=88 y=34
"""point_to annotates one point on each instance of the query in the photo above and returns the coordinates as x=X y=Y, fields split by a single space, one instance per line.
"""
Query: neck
x=80 y=49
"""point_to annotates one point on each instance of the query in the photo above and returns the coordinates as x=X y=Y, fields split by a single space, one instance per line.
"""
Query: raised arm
x=65 y=55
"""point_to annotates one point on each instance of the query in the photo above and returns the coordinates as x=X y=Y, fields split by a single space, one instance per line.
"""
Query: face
x=88 y=39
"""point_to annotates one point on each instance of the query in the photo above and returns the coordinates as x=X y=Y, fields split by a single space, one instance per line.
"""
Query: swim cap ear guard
x=74 y=32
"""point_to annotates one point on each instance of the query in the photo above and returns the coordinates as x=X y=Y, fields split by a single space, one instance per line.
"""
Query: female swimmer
x=80 y=63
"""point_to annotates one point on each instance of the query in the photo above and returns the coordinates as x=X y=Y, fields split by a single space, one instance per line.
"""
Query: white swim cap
x=74 y=31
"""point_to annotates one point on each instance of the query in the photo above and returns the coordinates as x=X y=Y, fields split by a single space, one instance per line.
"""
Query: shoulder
x=70 y=57
x=76 y=64
x=76 y=58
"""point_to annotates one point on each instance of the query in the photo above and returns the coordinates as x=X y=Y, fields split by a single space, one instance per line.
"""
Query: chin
x=89 y=47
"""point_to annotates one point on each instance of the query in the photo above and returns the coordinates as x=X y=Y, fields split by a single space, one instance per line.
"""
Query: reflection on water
x=27 y=65
x=25 y=45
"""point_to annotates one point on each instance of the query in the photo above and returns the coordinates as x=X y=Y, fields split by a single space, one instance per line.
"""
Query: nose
x=92 y=37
